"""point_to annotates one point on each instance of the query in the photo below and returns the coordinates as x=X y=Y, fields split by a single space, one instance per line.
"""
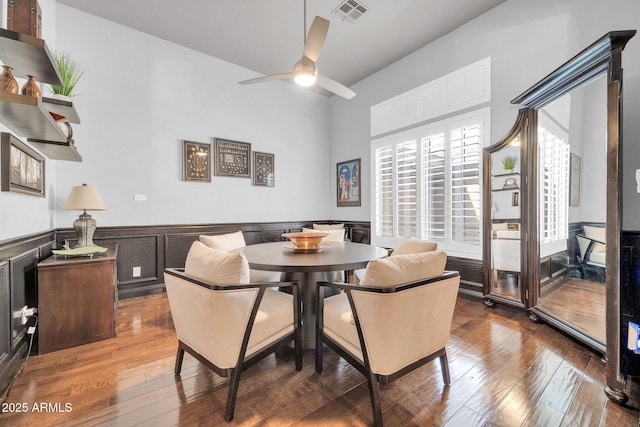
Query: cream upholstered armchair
x=593 y=251
x=226 y=322
x=230 y=241
x=397 y=319
x=409 y=246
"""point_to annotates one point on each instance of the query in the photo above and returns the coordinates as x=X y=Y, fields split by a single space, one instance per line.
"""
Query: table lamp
x=84 y=197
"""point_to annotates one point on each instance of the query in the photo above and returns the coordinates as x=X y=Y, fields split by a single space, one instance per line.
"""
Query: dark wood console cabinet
x=77 y=300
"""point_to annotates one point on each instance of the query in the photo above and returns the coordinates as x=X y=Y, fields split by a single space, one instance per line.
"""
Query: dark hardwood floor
x=580 y=302
x=506 y=371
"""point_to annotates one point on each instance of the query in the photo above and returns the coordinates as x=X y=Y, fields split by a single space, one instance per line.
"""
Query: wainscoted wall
x=18 y=288
x=154 y=248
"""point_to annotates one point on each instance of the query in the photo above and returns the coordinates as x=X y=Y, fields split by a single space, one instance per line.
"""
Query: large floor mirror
x=572 y=209
x=563 y=227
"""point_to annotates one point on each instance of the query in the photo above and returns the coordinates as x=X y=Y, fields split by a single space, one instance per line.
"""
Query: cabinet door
x=76 y=303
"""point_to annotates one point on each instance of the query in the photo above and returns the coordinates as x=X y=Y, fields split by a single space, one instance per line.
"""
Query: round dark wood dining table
x=310 y=268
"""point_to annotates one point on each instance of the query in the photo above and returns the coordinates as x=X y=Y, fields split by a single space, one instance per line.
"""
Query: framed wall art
x=22 y=167
x=196 y=161
x=263 y=169
x=348 y=183
x=232 y=158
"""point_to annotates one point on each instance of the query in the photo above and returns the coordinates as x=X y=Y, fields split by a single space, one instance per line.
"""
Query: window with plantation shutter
x=553 y=184
x=406 y=175
x=383 y=184
x=433 y=187
x=427 y=184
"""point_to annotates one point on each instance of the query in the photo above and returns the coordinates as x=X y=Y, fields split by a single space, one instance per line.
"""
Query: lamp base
x=85 y=227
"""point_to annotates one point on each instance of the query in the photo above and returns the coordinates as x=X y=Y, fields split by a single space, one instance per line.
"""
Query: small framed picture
x=263 y=169
x=348 y=183
x=196 y=161
x=232 y=158
x=22 y=167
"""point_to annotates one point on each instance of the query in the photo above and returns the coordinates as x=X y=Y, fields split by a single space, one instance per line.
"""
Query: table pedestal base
x=309 y=298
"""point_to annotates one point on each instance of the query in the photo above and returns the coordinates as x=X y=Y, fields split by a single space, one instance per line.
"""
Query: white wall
x=526 y=41
x=133 y=120
x=141 y=96
x=591 y=141
x=22 y=214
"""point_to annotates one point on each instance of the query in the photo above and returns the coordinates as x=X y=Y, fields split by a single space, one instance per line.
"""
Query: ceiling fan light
x=304 y=79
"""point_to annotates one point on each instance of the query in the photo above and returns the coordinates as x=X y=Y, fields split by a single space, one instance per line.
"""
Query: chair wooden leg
x=232 y=393
x=298 y=350
x=319 y=353
x=444 y=365
x=374 y=395
x=179 y=357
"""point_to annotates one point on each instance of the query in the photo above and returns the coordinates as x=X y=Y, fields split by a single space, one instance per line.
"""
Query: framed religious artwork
x=263 y=169
x=22 y=167
x=232 y=158
x=348 y=183
x=196 y=161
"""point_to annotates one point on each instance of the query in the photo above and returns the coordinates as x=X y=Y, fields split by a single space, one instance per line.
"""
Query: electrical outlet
x=136 y=272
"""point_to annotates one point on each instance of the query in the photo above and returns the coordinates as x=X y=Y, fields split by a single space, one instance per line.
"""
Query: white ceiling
x=266 y=36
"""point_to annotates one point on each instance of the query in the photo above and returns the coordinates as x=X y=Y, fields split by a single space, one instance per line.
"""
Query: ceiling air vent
x=350 y=10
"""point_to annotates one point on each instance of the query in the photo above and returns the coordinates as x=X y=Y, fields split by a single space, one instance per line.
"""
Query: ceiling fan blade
x=335 y=87
x=315 y=38
x=266 y=78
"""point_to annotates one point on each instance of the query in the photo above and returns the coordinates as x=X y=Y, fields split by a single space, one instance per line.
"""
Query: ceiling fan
x=305 y=71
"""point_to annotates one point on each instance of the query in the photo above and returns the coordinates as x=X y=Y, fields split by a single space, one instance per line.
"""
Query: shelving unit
x=28 y=116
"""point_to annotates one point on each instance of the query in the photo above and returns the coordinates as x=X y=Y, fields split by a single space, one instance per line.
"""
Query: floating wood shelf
x=64 y=108
x=28 y=116
x=28 y=56
x=57 y=150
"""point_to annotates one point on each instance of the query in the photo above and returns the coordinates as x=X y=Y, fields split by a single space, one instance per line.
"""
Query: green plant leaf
x=70 y=72
x=509 y=162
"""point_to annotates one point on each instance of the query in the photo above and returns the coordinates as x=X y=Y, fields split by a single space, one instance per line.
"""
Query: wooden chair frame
x=242 y=362
x=373 y=380
x=591 y=270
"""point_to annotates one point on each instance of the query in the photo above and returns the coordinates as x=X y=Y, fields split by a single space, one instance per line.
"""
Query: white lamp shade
x=84 y=197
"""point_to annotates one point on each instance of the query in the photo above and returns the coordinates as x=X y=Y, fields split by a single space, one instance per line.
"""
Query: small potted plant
x=70 y=73
x=509 y=163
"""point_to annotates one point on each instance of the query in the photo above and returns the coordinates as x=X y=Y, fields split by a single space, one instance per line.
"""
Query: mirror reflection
x=505 y=223
x=572 y=148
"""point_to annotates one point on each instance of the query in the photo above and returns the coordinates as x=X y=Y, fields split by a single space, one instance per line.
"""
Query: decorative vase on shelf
x=31 y=88
x=8 y=82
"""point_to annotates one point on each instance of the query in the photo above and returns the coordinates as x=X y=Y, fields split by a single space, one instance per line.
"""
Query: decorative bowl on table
x=305 y=242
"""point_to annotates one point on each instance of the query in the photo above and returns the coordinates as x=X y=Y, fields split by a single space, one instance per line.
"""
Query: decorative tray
x=297 y=250
x=79 y=251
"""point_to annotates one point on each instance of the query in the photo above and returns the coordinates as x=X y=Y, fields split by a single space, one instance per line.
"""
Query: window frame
x=481 y=116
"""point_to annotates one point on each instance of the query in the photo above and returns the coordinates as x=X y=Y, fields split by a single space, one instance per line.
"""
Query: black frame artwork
x=196 y=161
x=263 y=169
